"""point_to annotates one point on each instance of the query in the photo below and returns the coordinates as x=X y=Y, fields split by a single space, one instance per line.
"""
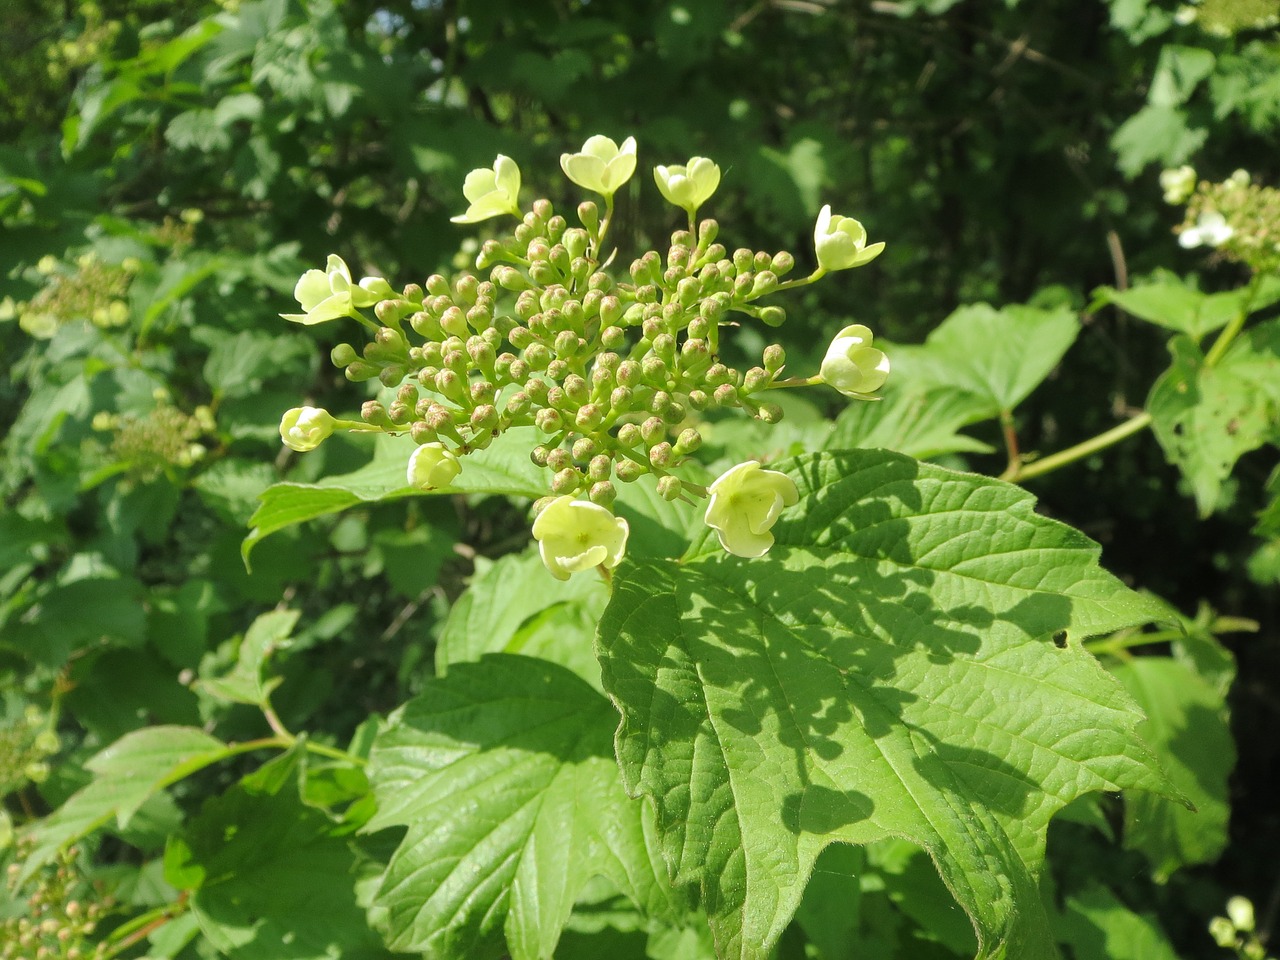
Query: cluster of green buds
x=1238 y=930
x=88 y=289
x=614 y=372
x=1236 y=217
x=60 y=913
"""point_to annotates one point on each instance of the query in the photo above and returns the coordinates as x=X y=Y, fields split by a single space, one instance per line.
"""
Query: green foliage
x=399 y=733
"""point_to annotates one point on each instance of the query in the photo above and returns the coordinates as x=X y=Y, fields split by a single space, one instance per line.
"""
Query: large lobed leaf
x=503 y=774
x=903 y=663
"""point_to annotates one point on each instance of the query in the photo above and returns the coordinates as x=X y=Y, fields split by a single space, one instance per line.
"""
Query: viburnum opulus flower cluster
x=613 y=371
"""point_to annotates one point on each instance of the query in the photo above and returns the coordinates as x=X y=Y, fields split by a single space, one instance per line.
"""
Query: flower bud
x=548 y=420
x=589 y=215
x=343 y=354
x=725 y=395
x=509 y=278
x=774 y=357
x=557 y=369
x=659 y=402
x=527 y=305
x=537 y=356
x=629 y=470
x=698 y=399
x=772 y=316
x=602 y=493
x=539 y=455
x=620 y=398
x=432 y=466
x=674 y=412
x=543 y=273
x=584 y=448
x=669 y=487
x=629 y=435
x=629 y=374
x=653 y=430
x=421 y=432
x=305 y=428
x=660 y=454
x=559 y=459
x=610 y=310
x=482 y=391
x=655 y=371
x=438 y=286
x=392 y=374
x=400 y=413
x=454 y=322
x=782 y=263
x=566 y=344
x=566 y=481
x=484 y=417
x=688 y=441
x=537 y=391
x=589 y=416
x=555 y=227
x=518 y=404
x=757 y=378
x=575 y=242
x=450 y=384
x=769 y=413
x=664 y=346
x=763 y=283
x=600 y=467
x=439 y=418
x=465 y=289
x=373 y=412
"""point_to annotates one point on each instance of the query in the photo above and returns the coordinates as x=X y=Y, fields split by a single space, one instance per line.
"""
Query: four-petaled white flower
x=433 y=466
x=841 y=242
x=1211 y=230
x=688 y=186
x=745 y=503
x=491 y=193
x=1178 y=184
x=329 y=293
x=305 y=428
x=601 y=165
x=852 y=365
x=576 y=535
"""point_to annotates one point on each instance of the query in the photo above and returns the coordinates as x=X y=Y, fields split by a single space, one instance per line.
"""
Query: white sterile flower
x=745 y=503
x=852 y=365
x=491 y=193
x=841 y=242
x=433 y=466
x=305 y=428
x=601 y=165
x=1178 y=184
x=329 y=293
x=688 y=186
x=1211 y=230
x=576 y=535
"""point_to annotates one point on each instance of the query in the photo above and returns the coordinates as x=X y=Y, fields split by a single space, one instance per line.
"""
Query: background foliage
x=167 y=170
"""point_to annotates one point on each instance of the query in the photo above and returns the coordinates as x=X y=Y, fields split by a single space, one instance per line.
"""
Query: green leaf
x=503 y=774
x=274 y=877
x=1156 y=133
x=1206 y=418
x=1187 y=727
x=238 y=364
x=999 y=356
x=502 y=468
x=1097 y=926
x=905 y=662
x=1169 y=302
x=126 y=773
x=516 y=606
x=919 y=423
x=245 y=683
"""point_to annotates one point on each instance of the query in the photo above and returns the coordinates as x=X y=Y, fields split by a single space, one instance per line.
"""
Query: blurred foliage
x=168 y=169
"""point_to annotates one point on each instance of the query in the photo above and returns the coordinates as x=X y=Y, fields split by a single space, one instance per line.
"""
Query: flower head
x=1211 y=230
x=745 y=503
x=491 y=193
x=688 y=186
x=432 y=466
x=329 y=293
x=601 y=165
x=305 y=428
x=1178 y=184
x=576 y=535
x=841 y=242
x=852 y=365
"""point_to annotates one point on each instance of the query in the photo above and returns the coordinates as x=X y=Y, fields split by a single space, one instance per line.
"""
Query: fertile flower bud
x=373 y=412
x=772 y=316
x=629 y=435
x=559 y=459
x=565 y=481
x=841 y=242
x=690 y=185
x=589 y=215
x=584 y=448
x=745 y=503
x=660 y=455
x=422 y=433
x=629 y=471
x=602 y=493
x=484 y=417
x=548 y=421
x=305 y=428
x=757 y=378
x=782 y=263
x=688 y=441
x=343 y=354
x=599 y=468
x=774 y=357
x=491 y=193
x=852 y=365
x=432 y=466
x=575 y=535
x=601 y=166
x=589 y=417
x=653 y=430
x=669 y=487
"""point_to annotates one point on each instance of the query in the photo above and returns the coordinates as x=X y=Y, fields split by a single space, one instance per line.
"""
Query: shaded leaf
x=889 y=669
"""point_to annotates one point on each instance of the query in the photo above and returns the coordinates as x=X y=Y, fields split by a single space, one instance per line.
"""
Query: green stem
x=1017 y=473
x=128 y=934
x=1116 y=644
x=795 y=382
x=799 y=281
